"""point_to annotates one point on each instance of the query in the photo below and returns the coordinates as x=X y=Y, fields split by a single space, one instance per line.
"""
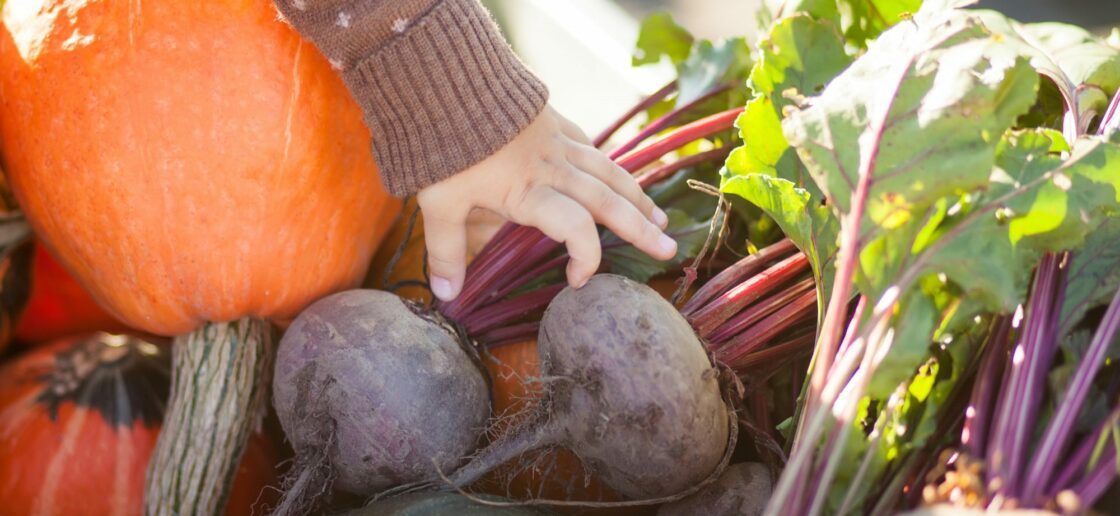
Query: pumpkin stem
x=218 y=386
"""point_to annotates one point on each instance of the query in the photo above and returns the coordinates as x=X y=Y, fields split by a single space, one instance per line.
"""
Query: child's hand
x=551 y=178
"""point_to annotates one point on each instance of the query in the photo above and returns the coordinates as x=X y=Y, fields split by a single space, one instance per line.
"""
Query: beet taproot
x=372 y=395
x=628 y=388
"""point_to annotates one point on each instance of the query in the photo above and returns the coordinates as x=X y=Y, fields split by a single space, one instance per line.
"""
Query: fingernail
x=667 y=245
x=441 y=287
x=660 y=218
x=573 y=281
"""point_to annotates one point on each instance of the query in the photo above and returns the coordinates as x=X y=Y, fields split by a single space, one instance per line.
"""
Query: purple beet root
x=630 y=390
x=371 y=396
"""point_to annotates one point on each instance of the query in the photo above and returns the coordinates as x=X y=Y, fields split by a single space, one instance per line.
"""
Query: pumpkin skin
x=78 y=421
x=409 y=267
x=186 y=161
x=59 y=306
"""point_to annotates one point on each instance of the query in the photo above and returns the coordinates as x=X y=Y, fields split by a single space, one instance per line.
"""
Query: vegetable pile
x=896 y=283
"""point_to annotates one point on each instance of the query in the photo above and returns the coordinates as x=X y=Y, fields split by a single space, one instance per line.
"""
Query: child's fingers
x=617 y=213
x=445 y=235
x=563 y=220
x=593 y=162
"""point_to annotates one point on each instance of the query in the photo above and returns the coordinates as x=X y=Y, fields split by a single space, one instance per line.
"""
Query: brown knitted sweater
x=440 y=88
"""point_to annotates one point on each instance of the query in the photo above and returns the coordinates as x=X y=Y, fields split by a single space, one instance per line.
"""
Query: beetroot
x=371 y=395
x=630 y=390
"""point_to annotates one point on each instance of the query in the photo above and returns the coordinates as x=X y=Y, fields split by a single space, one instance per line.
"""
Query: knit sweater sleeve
x=439 y=87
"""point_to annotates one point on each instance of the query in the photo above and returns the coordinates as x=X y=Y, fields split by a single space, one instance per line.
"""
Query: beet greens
x=924 y=174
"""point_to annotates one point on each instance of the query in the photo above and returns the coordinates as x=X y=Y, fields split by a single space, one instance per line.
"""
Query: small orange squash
x=79 y=418
x=200 y=169
x=58 y=305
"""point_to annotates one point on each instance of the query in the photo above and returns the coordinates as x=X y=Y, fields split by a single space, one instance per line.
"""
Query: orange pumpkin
x=59 y=306
x=78 y=420
x=384 y=273
x=200 y=169
x=187 y=161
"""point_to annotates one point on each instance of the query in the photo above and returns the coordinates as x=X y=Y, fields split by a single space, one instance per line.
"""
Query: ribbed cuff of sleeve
x=443 y=95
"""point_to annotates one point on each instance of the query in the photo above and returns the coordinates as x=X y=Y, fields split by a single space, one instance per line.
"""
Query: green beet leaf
x=798 y=58
x=1084 y=58
x=1094 y=274
x=659 y=37
x=921 y=112
x=700 y=64
x=710 y=64
x=860 y=20
x=810 y=225
x=625 y=259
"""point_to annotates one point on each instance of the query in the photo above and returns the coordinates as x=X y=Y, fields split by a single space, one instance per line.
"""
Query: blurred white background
x=581 y=48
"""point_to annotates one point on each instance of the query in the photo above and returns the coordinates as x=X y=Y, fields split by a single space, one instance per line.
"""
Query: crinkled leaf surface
x=1034 y=202
x=1084 y=58
x=922 y=111
x=798 y=58
x=860 y=20
x=810 y=225
x=1094 y=274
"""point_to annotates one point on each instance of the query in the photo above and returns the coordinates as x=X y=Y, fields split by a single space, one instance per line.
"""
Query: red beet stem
x=758 y=335
x=686 y=134
x=510 y=334
x=719 y=310
x=735 y=274
x=665 y=121
x=509 y=310
x=645 y=104
x=649 y=178
x=756 y=312
x=800 y=344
